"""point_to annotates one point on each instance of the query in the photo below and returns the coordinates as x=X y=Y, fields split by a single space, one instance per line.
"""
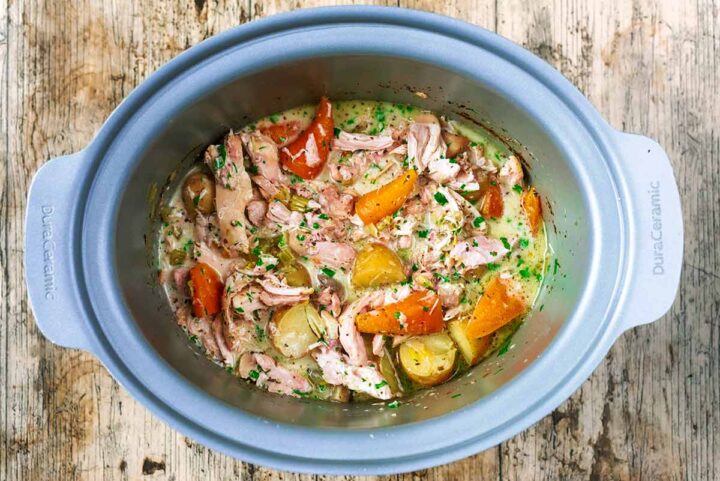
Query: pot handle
x=656 y=230
x=50 y=237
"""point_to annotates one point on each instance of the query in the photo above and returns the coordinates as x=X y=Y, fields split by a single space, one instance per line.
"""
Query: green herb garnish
x=440 y=198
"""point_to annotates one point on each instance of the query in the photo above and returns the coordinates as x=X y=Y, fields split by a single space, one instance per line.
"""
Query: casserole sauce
x=352 y=250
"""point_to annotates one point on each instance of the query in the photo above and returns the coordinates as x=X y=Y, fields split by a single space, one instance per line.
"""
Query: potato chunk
x=428 y=360
x=471 y=349
x=293 y=335
x=377 y=265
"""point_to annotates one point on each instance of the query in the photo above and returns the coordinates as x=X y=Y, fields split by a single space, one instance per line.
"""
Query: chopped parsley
x=394 y=404
x=440 y=198
x=274 y=118
x=220 y=161
x=505 y=346
x=456 y=395
x=478 y=220
x=382 y=383
x=254 y=375
x=328 y=272
x=505 y=242
x=525 y=273
x=517 y=188
x=492 y=266
x=259 y=332
x=423 y=234
x=196 y=200
x=315 y=225
x=337 y=132
x=296 y=179
x=253 y=169
x=324 y=216
x=524 y=243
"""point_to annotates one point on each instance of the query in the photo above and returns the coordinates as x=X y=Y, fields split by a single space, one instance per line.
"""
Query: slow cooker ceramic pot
x=611 y=204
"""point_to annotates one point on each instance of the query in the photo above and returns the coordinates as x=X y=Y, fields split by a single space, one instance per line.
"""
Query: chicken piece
x=233 y=191
x=443 y=170
x=474 y=222
x=181 y=276
x=350 y=338
x=511 y=174
x=338 y=372
x=199 y=328
x=352 y=142
x=206 y=229
x=450 y=294
x=338 y=206
x=283 y=217
x=378 y=345
x=214 y=258
x=227 y=355
x=277 y=293
x=330 y=300
x=477 y=251
x=276 y=378
x=333 y=254
x=256 y=211
x=264 y=155
x=425 y=144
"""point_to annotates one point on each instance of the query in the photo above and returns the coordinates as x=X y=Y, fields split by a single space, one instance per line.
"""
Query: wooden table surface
x=650 y=411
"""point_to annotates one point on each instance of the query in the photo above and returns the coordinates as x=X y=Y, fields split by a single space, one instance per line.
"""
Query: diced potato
x=471 y=349
x=293 y=335
x=495 y=308
x=377 y=265
x=428 y=360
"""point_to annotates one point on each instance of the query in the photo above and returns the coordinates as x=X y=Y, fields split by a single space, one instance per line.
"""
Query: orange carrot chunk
x=492 y=206
x=379 y=203
x=495 y=308
x=306 y=156
x=206 y=290
x=533 y=209
x=419 y=313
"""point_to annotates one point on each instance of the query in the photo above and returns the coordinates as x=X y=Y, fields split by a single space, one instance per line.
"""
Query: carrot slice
x=419 y=313
x=384 y=201
x=495 y=308
x=492 y=206
x=319 y=137
x=281 y=133
x=533 y=209
x=206 y=290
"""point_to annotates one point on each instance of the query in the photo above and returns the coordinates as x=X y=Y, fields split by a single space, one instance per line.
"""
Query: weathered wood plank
x=649 y=411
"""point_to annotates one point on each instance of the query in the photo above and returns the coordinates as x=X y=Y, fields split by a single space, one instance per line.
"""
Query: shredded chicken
x=233 y=191
x=364 y=378
x=351 y=142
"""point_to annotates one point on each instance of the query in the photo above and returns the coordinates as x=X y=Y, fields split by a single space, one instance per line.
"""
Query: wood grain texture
x=651 y=409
